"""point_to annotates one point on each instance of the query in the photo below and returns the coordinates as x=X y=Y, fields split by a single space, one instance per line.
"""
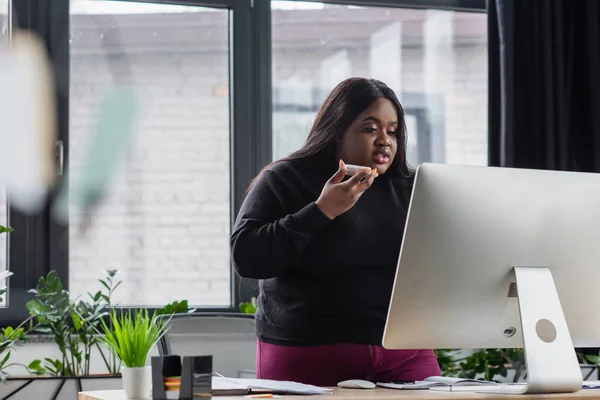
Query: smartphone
x=354 y=169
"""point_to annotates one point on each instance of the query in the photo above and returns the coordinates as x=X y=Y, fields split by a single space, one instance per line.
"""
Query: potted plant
x=76 y=327
x=73 y=325
x=131 y=335
x=9 y=336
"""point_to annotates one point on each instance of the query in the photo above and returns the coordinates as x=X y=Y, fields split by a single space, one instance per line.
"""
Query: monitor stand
x=552 y=365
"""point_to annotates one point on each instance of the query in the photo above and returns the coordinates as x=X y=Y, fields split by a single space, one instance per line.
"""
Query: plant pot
x=137 y=382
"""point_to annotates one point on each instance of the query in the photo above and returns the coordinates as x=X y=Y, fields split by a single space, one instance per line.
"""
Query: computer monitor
x=501 y=258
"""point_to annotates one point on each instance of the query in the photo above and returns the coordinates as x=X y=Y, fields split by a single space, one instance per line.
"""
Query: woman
x=325 y=247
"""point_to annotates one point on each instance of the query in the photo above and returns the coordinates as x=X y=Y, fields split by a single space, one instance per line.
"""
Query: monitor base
x=552 y=365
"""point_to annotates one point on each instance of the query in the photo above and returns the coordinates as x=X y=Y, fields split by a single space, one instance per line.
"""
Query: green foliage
x=175 y=307
x=9 y=338
x=73 y=325
x=488 y=364
x=53 y=309
x=590 y=358
x=248 y=307
x=110 y=283
x=132 y=337
x=447 y=362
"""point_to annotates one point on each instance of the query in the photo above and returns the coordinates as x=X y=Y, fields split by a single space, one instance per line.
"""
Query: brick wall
x=464 y=106
x=165 y=223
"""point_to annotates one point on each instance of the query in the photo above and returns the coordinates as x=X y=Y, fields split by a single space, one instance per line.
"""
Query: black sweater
x=321 y=281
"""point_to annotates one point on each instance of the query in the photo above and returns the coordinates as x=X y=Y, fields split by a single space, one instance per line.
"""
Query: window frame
x=39 y=245
x=452 y=5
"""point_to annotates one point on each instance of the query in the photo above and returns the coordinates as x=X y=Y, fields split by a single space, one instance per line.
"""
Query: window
x=435 y=61
x=165 y=219
x=4 y=37
x=162 y=193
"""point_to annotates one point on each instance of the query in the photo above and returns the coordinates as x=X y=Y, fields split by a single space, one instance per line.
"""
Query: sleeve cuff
x=311 y=219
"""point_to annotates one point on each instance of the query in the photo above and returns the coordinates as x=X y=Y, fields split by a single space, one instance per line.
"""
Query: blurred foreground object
x=107 y=148
x=28 y=115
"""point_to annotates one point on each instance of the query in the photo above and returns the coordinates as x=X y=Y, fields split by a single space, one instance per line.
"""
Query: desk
x=379 y=394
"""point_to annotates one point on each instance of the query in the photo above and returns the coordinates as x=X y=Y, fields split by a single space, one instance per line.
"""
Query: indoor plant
x=72 y=324
x=75 y=327
x=9 y=336
x=131 y=335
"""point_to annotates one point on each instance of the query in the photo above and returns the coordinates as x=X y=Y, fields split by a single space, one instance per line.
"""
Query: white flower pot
x=137 y=382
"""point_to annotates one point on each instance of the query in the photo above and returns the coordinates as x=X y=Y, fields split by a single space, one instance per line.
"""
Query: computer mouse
x=356 y=384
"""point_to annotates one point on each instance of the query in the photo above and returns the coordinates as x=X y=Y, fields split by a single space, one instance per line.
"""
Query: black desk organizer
x=195 y=373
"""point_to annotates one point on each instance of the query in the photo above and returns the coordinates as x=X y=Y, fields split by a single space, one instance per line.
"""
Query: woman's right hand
x=338 y=197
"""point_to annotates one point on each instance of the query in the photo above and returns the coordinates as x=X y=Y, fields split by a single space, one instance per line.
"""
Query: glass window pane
x=435 y=61
x=165 y=219
x=4 y=32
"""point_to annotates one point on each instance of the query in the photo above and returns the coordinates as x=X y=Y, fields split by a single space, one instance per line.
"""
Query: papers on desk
x=417 y=385
x=440 y=383
x=451 y=381
x=449 y=384
x=264 y=385
x=437 y=381
x=499 y=388
x=591 y=385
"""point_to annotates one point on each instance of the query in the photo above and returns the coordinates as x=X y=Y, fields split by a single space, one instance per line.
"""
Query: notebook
x=435 y=382
x=239 y=386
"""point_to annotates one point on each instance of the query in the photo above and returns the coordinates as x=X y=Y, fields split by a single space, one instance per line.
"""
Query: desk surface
x=379 y=394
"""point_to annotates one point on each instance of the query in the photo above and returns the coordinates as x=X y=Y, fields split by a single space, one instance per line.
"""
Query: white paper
x=417 y=385
x=590 y=384
x=276 y=386
x=448 y=380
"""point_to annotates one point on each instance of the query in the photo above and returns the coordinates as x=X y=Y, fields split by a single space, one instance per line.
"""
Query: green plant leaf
x=54 y=367
x=34 y=307
x=96 y=297
x=4 y=360
x=133 y=334
x=248 y=308
x=592 y=358
x=176 y=307
x=117 y=285
x=36 y=368
x=77 y=321
x=8 y=331
x=6 y=229
x=106 y=285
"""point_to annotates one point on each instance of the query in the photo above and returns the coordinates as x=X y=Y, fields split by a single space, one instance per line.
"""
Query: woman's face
x=371 y=140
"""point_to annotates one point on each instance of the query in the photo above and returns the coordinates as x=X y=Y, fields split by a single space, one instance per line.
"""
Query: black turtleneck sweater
x=322 y=281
